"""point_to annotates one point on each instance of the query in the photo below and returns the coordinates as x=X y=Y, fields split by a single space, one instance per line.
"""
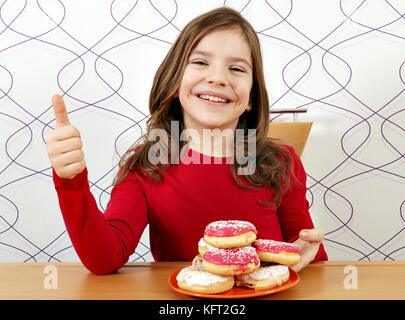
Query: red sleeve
x=103 y=242
x=293 y=211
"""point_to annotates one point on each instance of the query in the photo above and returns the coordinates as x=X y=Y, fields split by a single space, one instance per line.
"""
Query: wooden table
x=149 y=281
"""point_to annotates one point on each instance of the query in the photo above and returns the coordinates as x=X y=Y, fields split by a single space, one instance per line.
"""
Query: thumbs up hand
x=64 y=144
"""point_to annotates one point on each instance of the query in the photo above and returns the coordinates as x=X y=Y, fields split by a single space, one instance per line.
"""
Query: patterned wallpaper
x=344 y=61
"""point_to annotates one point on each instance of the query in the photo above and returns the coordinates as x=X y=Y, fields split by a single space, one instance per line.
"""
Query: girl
x=212 y=78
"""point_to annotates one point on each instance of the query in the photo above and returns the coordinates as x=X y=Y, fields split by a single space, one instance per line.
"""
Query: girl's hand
x=309 y=241
x=64 y=144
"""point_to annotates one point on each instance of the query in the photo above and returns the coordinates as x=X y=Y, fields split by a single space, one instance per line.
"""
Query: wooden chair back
x=294 y=134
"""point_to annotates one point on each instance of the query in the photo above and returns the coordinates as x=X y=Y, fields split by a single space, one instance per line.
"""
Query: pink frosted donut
x=277 y=252
x=231 y=262
x=230 y=233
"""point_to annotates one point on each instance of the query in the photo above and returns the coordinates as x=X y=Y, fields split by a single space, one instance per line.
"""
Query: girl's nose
x=217 y=77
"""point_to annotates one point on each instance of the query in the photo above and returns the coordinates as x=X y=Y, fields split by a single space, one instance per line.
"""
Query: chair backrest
x=294 y=134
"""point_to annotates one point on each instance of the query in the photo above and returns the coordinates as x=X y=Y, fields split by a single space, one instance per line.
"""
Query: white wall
x=343 y=60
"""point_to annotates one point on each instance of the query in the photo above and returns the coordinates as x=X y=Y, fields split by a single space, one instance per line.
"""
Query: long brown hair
x=272 y=160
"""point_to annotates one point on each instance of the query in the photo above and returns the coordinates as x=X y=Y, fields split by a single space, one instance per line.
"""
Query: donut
x=201 y=281
x=231 y=262
x=230 y=233
x=197 y=263
x=277 y=252
x=264 y=277
x=203 y=246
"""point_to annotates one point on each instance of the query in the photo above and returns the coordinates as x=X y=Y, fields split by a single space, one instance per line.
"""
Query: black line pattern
x=343 y=60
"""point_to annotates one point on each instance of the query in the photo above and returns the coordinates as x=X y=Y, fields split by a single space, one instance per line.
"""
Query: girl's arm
x=103 y=242
x=293 y=211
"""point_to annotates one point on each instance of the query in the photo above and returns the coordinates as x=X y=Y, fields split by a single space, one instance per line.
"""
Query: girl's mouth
x=212 y=98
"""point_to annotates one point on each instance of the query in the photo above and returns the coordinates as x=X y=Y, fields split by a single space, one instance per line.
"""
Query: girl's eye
x=199 y=62
x=237 y=69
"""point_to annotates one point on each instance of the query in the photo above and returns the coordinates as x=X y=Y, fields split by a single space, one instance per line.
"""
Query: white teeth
x=211 y=98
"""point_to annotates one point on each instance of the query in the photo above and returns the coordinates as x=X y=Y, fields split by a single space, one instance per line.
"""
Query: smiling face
x=215 y=87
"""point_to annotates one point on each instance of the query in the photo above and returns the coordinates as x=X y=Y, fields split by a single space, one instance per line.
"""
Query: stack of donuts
x=231 y=255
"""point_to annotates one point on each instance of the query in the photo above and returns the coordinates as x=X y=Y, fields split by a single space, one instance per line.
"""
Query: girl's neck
x=214 y=143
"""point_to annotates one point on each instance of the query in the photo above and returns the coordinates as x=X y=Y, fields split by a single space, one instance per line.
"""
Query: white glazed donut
x=203 y=246
x=197 y=263
x=264 y=277
x=201 y=281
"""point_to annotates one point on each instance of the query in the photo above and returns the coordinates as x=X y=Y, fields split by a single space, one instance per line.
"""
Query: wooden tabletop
x=149 y=281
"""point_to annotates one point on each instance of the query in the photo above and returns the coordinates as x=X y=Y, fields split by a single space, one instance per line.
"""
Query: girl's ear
x=249 y=107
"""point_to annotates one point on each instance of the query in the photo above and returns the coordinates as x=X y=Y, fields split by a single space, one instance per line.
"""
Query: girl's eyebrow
x=231 y=58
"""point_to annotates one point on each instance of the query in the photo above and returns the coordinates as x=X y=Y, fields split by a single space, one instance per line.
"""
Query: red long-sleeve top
x=177 y=209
